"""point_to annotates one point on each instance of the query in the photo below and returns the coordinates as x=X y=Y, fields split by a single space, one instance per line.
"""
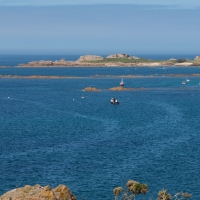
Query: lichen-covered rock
x=89 y=58
x=38 y=192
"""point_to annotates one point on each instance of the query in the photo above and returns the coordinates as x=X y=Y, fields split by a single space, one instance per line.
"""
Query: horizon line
x=156 y=6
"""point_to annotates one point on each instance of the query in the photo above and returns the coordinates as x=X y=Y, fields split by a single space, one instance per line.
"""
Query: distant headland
x=114 y=60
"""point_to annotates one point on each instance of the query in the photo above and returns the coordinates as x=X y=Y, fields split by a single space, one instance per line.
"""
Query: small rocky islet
x=119 y=88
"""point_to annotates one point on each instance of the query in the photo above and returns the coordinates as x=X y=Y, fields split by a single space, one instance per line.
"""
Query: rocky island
x=92 y=89
x=37 y=192
x=115 y=60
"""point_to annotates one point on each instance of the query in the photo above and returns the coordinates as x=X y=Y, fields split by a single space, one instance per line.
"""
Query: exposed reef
x=34 y=77
x=97 y=76
x=123 y=88
x=93 y=89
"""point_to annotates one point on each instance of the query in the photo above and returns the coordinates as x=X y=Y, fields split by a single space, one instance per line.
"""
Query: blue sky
x=99 y=27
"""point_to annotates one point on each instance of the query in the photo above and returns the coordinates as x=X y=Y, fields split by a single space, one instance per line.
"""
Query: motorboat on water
x=114 y=101
x=183 y=82
x=187 y=80
x=122 y=83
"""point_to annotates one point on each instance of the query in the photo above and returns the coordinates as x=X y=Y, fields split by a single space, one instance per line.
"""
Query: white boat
x=114 y=101
x=187 y=80
x=183 y=82
x=122 y=83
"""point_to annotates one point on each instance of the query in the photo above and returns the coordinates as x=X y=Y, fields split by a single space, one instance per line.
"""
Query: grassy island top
x=123 y=60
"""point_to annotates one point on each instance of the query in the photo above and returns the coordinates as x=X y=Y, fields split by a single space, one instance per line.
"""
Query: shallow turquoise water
x=50 y=134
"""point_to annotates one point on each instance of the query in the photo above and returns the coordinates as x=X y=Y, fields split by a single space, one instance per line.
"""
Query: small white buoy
x=73 y=99
x=8 y=97
x=82 y=97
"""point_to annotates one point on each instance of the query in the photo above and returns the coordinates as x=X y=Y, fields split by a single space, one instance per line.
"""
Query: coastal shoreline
x=114 y=60
x=115 y=64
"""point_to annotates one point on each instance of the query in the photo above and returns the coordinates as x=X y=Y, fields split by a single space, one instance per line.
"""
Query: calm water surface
x=52 y=132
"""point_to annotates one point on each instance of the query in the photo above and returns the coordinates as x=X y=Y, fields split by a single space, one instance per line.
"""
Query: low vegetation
x=142 y=60
x=134 y=188
x=181 y=60
x=196 y=62
x=122 y=60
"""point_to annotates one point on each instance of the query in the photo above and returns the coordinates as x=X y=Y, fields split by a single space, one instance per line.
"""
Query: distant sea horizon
x=14 y=60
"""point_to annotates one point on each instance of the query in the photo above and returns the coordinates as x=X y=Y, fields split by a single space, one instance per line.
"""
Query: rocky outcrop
x=122 y=56
x=123 y=88
x=41 y=63
x=92 y=89
x=47 y=63
x=60 y=62
x=38 y=192
x=197 y=58
x=89 y=58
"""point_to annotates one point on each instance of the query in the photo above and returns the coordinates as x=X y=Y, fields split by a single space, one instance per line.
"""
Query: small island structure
x=114 y=60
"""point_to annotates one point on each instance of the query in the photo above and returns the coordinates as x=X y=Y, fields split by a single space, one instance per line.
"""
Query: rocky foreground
x=112 y=61
x=38 y=192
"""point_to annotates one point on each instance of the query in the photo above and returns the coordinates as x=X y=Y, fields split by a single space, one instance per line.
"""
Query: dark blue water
x=50 y=134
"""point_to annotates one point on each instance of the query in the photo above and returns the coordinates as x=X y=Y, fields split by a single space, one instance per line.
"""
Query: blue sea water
x=53 y=132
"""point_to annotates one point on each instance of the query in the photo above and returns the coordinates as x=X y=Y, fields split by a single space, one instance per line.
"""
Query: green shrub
x=134 y=188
